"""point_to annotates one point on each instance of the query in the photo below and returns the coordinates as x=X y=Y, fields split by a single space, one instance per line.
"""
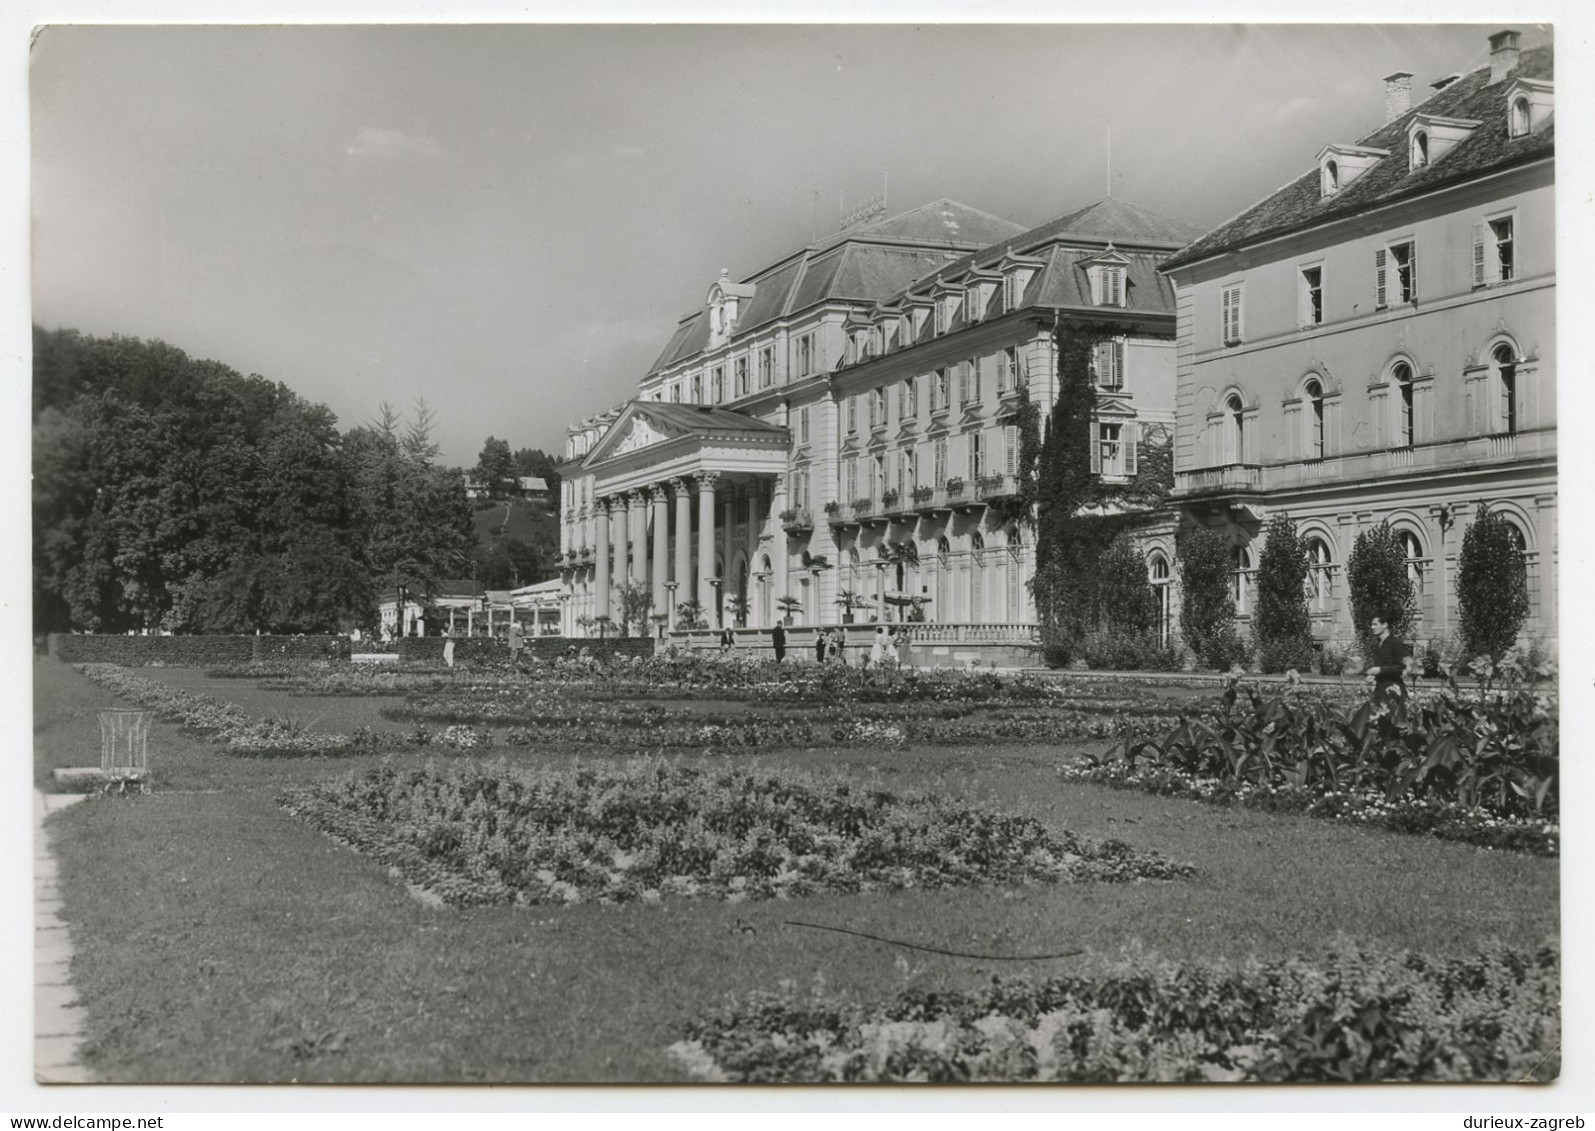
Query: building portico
x=638 y=525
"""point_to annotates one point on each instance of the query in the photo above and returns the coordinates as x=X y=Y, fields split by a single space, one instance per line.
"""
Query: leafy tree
x=1492 y=585
x=1066 y=550
x=1207 y=611
x=1282 y=626
x=636 y=602
x=418 y=442
x=1124 y=599
x=495 y=468
x=1377 y=575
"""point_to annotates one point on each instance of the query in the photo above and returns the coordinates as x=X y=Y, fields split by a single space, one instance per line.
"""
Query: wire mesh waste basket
x=124 y=744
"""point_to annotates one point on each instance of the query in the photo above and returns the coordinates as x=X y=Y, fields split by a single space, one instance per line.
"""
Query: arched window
x=944 y=548
x=1331 y=177
x=1313 y=394
x=1412 y=551
x=1159 y=577
x=1520 y=117
x=1506 y=387
x=1235 y=429
x=1320 y=578
x=1420 y=149
x=1241 y=579
x=1405 y=422
x=977 y=543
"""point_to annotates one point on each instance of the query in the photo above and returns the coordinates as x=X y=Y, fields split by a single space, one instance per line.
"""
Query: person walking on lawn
x=1390 y=659
x=778 y=639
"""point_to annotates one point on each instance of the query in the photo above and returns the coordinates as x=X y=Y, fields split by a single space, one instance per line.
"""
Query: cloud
x=1288 y=110
x=378 y=143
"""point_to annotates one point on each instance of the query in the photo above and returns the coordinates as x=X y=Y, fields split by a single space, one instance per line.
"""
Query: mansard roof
x=866 y=262
x=1487 y=149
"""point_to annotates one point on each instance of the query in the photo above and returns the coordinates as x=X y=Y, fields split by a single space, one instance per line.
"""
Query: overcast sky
x=509 y=221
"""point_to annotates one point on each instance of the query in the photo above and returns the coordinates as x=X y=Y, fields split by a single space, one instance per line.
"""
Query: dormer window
x=1519 y=120
x=1110 y=286
x=972 y=302
x=1420 y=149
x=1430 y=137
x=1529 y=103
x=1339 y=165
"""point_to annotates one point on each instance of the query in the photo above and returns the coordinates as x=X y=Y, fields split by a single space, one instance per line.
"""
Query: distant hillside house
x=1376 y=342
x=526 y=487
x=857 y=395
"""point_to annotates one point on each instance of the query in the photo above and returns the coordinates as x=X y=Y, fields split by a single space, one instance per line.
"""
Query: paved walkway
x=56 y=1013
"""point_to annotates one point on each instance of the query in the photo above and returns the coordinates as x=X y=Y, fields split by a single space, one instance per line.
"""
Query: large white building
x=825 y=437
x=1375 y=342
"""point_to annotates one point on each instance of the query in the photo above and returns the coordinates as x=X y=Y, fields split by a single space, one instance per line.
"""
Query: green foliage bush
x=1377 y=575
x=1492 y=586
x=1119 y=649
x=1207 y=610
x=1358 y=1014
x=1480 y=765
x=483 y=833
x=1281 y=626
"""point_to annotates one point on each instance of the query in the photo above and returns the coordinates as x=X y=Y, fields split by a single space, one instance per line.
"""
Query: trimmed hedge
x=541 y=648
x=192 y=651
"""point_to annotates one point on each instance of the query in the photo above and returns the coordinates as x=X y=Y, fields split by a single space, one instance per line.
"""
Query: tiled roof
x=940 y=222
x=1487 y=149
x=1063 y=282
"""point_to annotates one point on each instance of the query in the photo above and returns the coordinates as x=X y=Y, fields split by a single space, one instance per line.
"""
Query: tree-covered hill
x=175 y=493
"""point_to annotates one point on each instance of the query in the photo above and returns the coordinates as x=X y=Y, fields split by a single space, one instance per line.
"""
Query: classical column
x=661 y=550
x=778 y=560
x=601 y=564
x=706 y=593
x=637 y=508
x=617 y=567
x=683 y=578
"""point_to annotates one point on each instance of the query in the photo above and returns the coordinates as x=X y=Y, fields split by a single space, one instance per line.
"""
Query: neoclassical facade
x=828 y=437
x=1375 y=342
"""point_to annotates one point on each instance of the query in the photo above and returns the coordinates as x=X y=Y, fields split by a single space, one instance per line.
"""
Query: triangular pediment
x=632 y=431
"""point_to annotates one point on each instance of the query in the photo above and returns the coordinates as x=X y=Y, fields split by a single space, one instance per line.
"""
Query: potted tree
x=790 y=607
x=849 y=599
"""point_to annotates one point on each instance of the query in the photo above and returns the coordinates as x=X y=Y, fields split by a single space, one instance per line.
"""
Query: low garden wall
x=467 y=648
x=191 y=651
x=938 y=646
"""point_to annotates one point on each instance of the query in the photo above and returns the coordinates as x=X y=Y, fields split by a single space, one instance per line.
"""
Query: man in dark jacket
x=778 y=638
x=1390 y=657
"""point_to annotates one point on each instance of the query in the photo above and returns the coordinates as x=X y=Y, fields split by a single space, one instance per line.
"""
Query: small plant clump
x=477 y=833
x=1357 y=1015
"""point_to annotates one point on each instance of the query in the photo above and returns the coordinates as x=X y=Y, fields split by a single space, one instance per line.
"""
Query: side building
x=831 y=438
x=1375 y=343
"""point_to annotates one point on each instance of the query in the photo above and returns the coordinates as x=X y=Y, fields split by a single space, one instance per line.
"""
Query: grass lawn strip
x=483 y=834
x=1357 y=1015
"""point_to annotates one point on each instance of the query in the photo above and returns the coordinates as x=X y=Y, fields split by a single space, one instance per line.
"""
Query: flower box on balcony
x=889 y=499
x=993 y=486
x=797 y=518
x=863 y=505
x=833 y=507
x=954 y=487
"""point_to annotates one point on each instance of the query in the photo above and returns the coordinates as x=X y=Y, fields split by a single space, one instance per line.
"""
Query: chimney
x=1398 y=94
x=1445 y=82
x=1503 y=54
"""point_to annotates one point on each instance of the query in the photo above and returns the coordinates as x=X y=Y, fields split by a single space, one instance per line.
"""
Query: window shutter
x=1478 y=255
x=1116 y=353
x=1379 y=277
x=1096 y=452
x=975 y=371
x=1227 y=298
x=1412 y=271
x=1010 y=450
x=1129 y=433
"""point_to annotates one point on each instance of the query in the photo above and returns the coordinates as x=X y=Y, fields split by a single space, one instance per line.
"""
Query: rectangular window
x=1230 y=312
x=1395 y=275
x=938 y=394
x=907 y=479
x=805 y=355
x=877 y=410
x=1010 y=291
x=766 y=367
x=974 y=380
x=1109 y=286
x=1010 y=450
x=719 y=386
x=1109 y=364
x=1312 y=296
x=697 y=388
x=939 y=461
x=972 y=303
x=976 y=457
x=905 y=401
x=1501 y=237
x=849 y=481
x=675 y=393
x=1005 y=370
x=742 y=376
x=803 y=425
x=1109 y=459
x=941 y=316
x=852 y=416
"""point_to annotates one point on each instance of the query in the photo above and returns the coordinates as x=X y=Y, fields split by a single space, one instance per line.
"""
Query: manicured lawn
x=220 y=939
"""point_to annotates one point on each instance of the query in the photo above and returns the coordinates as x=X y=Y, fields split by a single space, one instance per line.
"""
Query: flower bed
x=1479 y=766
x=1358 y=1015
x=240 y=732
x=476 y=833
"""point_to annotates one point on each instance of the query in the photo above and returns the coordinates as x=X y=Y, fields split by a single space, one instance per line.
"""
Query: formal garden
x=680 y=869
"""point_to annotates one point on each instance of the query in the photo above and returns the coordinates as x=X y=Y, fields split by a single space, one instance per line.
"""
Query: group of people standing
x=889 y=645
